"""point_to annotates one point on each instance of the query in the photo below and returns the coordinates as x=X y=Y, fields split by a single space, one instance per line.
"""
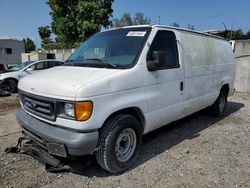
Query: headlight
x=83 y=110
x=69 y=109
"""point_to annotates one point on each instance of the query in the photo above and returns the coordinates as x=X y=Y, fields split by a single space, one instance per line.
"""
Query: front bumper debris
x=56 y=140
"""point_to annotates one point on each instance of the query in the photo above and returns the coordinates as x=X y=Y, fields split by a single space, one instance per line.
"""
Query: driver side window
x=165 y=41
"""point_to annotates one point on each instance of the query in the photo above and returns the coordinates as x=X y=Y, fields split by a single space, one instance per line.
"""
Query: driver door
x=164 y=87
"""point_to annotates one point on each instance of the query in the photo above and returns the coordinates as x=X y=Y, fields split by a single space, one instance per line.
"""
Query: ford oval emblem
x=33 y=105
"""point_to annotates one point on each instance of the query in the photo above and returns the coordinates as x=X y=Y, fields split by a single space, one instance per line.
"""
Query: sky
x=21 y=18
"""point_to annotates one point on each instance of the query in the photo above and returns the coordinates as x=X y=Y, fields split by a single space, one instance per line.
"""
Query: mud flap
x=51 y=163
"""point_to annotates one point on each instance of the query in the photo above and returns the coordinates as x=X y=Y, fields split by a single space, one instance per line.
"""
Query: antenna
x=226 y=31
x=225 y=26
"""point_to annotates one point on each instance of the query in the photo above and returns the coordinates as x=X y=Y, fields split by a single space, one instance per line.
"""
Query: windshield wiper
x=69 y=62
x=102 y=61
x=94 y=62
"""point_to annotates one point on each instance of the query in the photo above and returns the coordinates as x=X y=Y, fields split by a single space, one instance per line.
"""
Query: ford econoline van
x=121 y=84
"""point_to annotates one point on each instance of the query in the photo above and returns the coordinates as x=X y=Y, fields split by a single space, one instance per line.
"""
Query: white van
x=121 y=84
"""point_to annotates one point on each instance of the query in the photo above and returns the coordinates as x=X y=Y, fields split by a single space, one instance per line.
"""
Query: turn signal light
x=83 y=110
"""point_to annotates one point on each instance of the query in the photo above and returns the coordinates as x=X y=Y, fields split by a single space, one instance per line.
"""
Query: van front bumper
x=57 y=141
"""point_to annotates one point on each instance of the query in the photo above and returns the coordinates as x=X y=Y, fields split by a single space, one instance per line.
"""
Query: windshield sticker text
x=136 y=33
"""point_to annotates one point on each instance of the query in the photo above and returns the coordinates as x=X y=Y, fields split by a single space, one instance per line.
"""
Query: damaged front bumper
x=57 y=141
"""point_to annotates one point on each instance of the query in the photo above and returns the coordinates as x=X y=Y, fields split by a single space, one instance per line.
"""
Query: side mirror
x=29 y=70
x=157 y=62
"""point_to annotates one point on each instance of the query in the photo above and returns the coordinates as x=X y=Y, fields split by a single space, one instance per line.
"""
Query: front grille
x=40 y=106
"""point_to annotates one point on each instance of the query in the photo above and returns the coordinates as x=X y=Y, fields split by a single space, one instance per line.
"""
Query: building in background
x=59 y=54
x=10 y=51
x=36 y=56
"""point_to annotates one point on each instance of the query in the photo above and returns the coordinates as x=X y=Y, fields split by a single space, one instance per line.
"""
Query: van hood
x=62 y=81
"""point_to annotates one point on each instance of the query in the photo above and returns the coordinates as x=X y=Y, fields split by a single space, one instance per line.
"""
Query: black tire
x=9 y=85
x=219 y=106
x=107 y=154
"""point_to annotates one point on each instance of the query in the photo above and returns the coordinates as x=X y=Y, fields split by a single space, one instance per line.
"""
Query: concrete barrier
x=242 y=60
x=242 y=79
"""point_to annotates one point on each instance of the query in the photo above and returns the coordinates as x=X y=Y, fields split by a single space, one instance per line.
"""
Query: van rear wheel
x=119 y=143
x=219 y=106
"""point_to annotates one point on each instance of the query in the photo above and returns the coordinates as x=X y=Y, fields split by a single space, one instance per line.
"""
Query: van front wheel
x=119 y=143
x=218 y=108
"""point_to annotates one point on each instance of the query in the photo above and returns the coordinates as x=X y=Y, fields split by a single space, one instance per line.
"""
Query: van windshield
x=117 y=48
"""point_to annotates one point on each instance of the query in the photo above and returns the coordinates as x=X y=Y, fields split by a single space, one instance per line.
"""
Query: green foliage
x=232 y=35
x=140 y=20
x=247 y=35
x=236 y=35
x=191 y=27
x=127 y=20
x=29 y=45
x=45 y=34
x=76 y=20
x=174 y=24
x=52 y=46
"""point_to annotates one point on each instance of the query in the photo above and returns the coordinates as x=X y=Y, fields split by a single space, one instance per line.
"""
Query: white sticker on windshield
x=136 y=33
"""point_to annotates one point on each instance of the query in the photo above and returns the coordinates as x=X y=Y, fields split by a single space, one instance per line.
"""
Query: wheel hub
x=125 y=145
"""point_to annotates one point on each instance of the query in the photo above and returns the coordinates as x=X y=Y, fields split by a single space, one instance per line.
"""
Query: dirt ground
x=198 y=151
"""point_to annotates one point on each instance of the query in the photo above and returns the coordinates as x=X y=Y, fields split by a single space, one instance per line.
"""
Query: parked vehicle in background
x=121 y=84
x=9 y=79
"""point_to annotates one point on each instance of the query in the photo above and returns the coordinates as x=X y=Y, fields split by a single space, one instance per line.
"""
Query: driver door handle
x=181 y=86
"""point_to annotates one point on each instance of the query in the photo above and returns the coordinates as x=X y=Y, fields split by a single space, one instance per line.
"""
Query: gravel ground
x=198 y=151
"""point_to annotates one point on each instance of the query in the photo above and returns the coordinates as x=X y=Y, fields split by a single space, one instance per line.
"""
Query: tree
x=174 y=24
x=232 y=34
x=140 y=20
x=235 y=35
x=191 y=27
x=45 y=35
x=76 y=20
x=127 y=20
x=29 y=45
x=238 y=34
x=247 y=35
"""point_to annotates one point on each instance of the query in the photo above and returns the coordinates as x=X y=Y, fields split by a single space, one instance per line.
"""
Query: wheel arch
x=225 y=88
x=11 y=78
x=133 y=111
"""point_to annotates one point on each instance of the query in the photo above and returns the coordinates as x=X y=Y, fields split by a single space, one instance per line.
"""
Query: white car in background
x=9 y=79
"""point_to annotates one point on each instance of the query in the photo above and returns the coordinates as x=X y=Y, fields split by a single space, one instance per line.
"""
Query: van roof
x=177 y=28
